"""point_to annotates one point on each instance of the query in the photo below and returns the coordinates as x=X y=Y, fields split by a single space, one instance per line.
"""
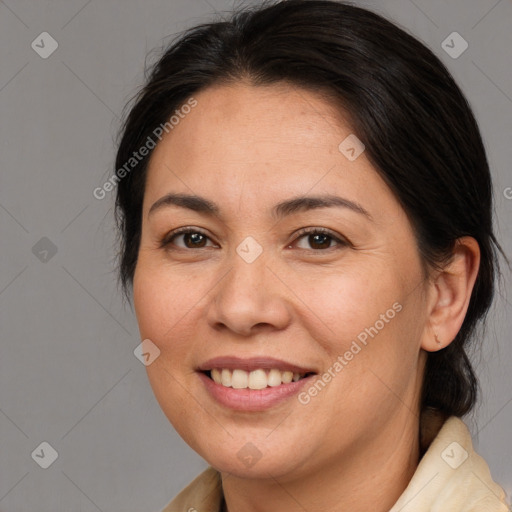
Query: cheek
x=162 y=301
x=161 y=316
x=345 y=304
x=371 y=320
x=149 y=306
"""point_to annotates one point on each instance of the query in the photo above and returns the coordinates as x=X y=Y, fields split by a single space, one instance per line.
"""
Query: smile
x=253 y=384
x=256 y=379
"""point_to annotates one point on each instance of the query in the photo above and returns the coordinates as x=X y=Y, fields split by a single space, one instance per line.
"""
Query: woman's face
x=297 y=261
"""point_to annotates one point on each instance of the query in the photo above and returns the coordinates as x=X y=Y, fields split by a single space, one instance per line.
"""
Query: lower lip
x=252 y=399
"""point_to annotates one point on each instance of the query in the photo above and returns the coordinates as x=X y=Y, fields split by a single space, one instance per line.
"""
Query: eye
x=318 y=239
x=186 y=238
x=315 y=239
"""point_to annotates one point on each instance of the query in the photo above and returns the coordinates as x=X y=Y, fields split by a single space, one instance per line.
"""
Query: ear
x=449 y=295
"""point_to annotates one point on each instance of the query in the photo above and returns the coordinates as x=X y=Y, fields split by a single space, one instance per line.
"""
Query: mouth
x=260 y=378
x=256 y=373
x=253 y=385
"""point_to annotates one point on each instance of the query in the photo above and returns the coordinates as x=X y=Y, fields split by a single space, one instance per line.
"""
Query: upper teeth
x=257 y=379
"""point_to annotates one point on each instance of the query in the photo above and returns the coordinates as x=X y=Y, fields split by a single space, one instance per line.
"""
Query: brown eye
x=318 y=239
x=192 y=240
x=187 y=238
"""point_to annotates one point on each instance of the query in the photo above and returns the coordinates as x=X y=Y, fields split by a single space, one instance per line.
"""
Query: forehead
x=261 y=143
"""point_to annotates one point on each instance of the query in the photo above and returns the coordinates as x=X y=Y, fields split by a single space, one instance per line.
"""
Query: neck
x=369 y=478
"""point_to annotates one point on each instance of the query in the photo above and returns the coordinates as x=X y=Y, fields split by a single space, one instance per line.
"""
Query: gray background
x=68 y=375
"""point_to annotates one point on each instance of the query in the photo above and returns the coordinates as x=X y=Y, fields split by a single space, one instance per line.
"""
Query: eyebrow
x=279 y=211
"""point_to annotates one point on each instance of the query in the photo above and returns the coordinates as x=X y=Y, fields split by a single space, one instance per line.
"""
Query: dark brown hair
x=417 y=126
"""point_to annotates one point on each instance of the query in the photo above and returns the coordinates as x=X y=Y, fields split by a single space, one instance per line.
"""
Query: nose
x=249 y=299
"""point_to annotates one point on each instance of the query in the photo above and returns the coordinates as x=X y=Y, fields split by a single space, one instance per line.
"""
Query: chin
x=250 y=467
x=256 y=459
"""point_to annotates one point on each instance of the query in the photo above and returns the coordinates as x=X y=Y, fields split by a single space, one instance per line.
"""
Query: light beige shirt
x=451 y=477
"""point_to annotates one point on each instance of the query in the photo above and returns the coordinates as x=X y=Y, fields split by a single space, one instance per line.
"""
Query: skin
x=354 y=446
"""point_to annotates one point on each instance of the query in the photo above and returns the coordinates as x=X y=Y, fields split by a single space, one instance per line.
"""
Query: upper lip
x=252 y=363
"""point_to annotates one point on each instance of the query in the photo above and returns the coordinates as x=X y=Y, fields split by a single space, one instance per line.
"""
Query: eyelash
x=167 y=240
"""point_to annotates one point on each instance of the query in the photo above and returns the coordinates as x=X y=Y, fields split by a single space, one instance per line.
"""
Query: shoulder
x=452 y=476
x=203 y=494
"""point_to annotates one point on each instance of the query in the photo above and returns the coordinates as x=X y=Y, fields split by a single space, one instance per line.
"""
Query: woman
x=304 y=204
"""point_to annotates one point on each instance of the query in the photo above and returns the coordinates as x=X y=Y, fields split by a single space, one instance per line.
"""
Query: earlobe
x=451 y=293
